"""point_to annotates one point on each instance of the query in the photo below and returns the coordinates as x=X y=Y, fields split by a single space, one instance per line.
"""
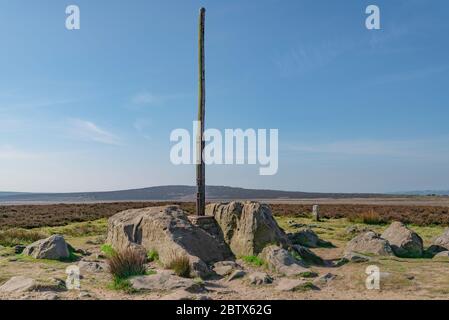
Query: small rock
x=295 y=285
x=308 y=238
x=356 y=257
x=91 y=266
x=19 y=284
x=223 y=270
x=84 y=295
x=259 y=278
x=325 y=279
x=19 y=249
x=236 y=275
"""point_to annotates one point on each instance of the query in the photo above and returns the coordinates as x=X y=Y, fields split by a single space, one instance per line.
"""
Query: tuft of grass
x=153 y=255
x=120 y=284
x=253 y=260
x=180 y=264
x=108 y=250
x=370 y=217
x=126 y=263
x=17 y=236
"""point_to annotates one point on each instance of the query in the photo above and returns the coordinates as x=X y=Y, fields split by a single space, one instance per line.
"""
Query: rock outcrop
x=369 y=243
x=52 y=248
x=404 y=242
x=247 y=227
x=168 y=231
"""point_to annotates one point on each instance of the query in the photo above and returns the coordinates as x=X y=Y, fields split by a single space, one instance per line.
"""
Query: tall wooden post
x=200 y=168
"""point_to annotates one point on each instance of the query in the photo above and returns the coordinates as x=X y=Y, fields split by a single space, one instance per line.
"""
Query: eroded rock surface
x=247 y=226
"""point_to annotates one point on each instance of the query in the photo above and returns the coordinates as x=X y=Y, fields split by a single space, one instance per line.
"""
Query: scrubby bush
x=253 y=260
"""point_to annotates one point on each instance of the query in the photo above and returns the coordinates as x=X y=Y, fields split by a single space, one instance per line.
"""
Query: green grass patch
x=253 y=260
x=80 y=229
x=122 y=284
x=152 y=255
x=108 y=250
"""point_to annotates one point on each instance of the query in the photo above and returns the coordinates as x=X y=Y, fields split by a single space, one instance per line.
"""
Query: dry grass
x=13 y=237
x=180 y=264
x=126 y=263
x=370 y=217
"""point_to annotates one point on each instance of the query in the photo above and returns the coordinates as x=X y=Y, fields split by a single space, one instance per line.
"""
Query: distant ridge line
x=177 y=193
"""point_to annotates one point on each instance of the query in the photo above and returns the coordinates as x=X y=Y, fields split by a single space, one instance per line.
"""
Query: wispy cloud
x=89 y=131
x=141 y=124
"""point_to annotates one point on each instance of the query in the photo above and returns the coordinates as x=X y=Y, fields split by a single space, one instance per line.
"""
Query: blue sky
x=357 y=110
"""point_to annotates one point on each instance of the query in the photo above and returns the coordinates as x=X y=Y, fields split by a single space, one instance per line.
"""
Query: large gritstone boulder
x=52 y=248
x=370 y=243
x=247 y=227
x=404 y=242
x=169 y=232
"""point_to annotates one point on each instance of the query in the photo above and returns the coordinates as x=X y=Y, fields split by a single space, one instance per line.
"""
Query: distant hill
x=174 y=193
x=425 y=193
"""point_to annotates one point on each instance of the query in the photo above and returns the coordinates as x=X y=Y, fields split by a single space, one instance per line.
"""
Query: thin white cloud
x=141 y=124
x=89 y=131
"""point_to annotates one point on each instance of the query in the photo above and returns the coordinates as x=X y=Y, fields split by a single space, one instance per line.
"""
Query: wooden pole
x=200 y=168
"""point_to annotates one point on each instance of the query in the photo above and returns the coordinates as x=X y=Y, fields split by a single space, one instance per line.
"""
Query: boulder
x=369 y=243
x=18 y=284
x=308 y=238
x=356 y=257
x=52 y=248
x=247 y=227
x=443 y=240
x=165 y=281
x=281 y=261
x=404 y=242
x=169 y=232
x=259 y=278
x=183 y=295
